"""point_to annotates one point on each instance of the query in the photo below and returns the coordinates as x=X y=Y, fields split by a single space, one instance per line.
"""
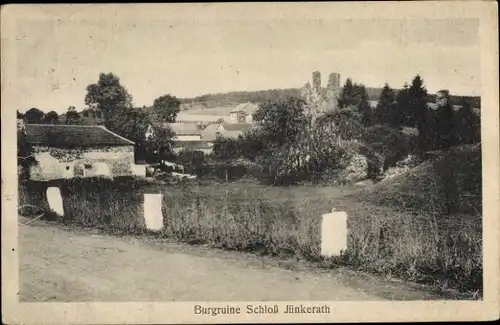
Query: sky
x=57 y=58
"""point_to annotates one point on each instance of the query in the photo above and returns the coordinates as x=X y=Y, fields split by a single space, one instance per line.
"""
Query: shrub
x=191 y=159
x=229 y=170
x=359 y=162
x=315 y=153
x=391 y=144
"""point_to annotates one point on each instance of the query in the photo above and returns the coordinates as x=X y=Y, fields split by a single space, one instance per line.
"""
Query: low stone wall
x=54 y=163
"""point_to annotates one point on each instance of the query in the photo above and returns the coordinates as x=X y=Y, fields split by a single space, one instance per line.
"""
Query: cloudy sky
x=58 y=58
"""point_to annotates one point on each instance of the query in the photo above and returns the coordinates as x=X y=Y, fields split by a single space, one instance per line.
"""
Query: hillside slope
x=449 y=183
x=234 y=98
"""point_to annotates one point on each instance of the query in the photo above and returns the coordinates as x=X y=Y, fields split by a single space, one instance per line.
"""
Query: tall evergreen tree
x=362 y=104
x=402 y=114
x=348 y=94
x=384 y=107
x=417 y=95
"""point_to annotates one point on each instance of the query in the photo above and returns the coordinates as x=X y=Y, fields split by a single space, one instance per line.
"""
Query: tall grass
x=286 y=222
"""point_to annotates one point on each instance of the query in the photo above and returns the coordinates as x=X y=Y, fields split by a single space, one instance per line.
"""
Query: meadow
x=442 y=251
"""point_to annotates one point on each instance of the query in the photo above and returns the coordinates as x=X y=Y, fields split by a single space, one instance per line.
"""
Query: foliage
x=315 y=153
x=347 y=122
x=249 y=146
x=226 y=148
x=158 y=146
x=72 y=116
x=443 y=128
x=467 y=124
x=166 y=108
x=355 y=95
x=33 y=116
x=384 y=112
x=403 y=114
x=281 y=121
x=347 y=97
x=418 y=106
x=51 y=118
x=108 y=95
x=390 y=143
x=363 y=105
x=191 y=159
x=25 y=158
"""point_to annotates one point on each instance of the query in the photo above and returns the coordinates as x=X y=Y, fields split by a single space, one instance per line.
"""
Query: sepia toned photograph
x=243 y=168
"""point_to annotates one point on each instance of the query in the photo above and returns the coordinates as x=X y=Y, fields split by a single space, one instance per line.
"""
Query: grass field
x=285 y=221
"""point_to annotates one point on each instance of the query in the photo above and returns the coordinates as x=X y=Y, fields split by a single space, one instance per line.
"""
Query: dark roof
x=73 y=135
x=242 y=127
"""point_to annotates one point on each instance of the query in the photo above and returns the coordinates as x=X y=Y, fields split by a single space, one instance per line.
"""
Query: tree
x=402 y=114
x=444 y=126
x=346 y=123
x=166 y=108
x=33 y=116
x=281 y=120
x=347 y=97
x=159 y=145
x=467 y=123
x=108 y=95
x=384 y=108
x=129 y=123
x=72 y=116
x=19 y=115
x=361 y=101
x=418 y=107
x=51 y=118
x=225 y=148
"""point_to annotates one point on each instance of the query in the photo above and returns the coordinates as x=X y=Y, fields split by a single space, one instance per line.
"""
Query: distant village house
x=243 y=113
x=228 y=130
x=187 y=136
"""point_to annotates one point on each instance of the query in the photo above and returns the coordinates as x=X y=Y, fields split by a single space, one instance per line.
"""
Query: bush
x=360 y=162
x=229 y=170
x=391 y=144
x=191 y=160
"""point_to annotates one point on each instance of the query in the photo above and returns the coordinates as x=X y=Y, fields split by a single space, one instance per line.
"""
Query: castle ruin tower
x=316 y=76
x=333 y=90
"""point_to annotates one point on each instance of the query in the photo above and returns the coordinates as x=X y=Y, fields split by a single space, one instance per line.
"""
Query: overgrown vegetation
x=444 y=252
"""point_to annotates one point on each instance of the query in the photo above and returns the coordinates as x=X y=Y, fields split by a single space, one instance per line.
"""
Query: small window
x=67 y=167
x=87 y=166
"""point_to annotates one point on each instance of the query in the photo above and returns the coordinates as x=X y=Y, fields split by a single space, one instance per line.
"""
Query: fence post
x=55 y=200
x=153 y=215
x=333 y=233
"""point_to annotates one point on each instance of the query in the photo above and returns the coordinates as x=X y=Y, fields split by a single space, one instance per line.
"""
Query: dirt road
x=58 y=264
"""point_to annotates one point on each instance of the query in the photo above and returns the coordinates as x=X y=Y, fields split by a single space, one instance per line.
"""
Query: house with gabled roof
x=243 y=113
x=228 y=130
x=67 y=151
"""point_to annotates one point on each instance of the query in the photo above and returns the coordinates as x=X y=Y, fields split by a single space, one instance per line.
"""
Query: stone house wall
x=55 y=163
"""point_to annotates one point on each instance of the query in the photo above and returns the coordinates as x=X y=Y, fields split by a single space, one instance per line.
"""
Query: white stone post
x=152 y=211
x=55 y=200
x=333 y=233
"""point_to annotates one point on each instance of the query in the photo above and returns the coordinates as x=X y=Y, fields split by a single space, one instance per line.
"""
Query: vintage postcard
x=250 y=162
